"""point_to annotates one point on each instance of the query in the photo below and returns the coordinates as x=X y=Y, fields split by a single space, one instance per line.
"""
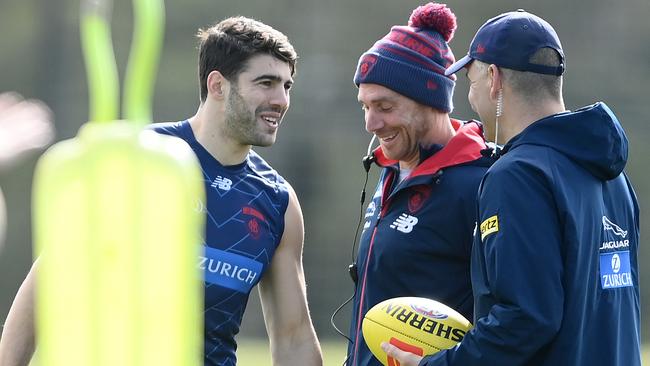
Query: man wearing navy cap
x=554 y=262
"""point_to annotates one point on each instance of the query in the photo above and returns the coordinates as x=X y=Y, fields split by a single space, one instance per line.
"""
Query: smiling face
x=399 y=123
x=258 y=100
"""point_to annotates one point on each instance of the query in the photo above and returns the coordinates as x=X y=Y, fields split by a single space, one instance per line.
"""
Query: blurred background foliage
x=322 y=139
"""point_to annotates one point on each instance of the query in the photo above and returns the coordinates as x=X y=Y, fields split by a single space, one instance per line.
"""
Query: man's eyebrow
x=271 y=77
x=379 y=100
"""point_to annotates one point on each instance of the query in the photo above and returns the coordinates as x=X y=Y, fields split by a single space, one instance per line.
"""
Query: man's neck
x=208 y=128
x=519 y=115
x=440 y=133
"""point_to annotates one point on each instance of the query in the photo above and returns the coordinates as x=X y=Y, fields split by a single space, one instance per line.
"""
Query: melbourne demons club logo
x=418 y=198
x=254 y=227
x=367 y=63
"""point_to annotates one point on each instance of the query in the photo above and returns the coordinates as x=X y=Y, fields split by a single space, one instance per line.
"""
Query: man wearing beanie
x=555 y=273
x=417 y=234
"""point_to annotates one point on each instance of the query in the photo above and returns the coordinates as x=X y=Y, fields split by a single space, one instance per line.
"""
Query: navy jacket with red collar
x=417 y=234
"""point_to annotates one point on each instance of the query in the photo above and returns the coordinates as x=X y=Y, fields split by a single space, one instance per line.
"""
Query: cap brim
x=458 y=65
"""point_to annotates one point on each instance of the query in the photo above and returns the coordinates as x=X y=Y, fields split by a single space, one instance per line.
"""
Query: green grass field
x=255 y=352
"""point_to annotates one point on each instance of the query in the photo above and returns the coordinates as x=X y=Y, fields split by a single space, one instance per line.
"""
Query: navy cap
x=509 y=40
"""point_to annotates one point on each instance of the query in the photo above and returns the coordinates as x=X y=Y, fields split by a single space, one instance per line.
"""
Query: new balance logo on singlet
x=222 y=183
x=404 y=223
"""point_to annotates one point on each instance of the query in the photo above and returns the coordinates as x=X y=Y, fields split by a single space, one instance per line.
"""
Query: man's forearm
x=17 y=343
x=302 y=351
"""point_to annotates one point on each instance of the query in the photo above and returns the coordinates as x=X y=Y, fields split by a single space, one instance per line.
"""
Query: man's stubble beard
x=241 y=124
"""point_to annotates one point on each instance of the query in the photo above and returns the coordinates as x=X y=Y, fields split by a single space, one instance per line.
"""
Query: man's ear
x=217 y=85
x=496 y=81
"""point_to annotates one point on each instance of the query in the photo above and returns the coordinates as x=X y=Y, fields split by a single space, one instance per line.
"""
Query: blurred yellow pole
x=118 y=233
x=115 y=220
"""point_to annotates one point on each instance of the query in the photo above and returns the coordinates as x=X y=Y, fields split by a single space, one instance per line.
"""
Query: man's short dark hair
x=532 y=85
x=229 y=44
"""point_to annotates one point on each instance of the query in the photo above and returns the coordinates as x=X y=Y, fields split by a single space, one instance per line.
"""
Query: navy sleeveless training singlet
x=245 y=211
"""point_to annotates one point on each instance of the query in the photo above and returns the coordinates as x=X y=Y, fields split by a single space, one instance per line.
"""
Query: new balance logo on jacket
x=404 y=223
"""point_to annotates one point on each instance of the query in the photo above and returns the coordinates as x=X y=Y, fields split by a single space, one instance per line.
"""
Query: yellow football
x=414 y=324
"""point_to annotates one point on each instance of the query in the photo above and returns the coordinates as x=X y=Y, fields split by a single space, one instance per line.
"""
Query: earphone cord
x=354 y=246
x=362 y=200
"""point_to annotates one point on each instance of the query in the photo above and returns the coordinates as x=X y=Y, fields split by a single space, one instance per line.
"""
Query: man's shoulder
x=262 y=169
x=526 y=166
x=465 y=177
x=169 y=128
x=525 y=157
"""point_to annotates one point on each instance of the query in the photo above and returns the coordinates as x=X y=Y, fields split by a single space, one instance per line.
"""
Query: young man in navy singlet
x=254 y=225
